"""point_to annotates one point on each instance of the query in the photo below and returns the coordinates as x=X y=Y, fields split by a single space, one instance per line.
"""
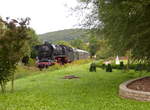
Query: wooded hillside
x=66 y=35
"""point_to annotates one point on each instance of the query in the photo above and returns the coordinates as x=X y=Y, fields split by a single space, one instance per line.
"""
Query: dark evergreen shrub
x=25 y=60
x=92 y=67
x=148 y=68
x=121 y=66
x=138 y=67
x=109 y=68
x=103 y=66
x=114 y=66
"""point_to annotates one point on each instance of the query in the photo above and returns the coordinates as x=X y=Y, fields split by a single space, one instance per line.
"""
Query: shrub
x=103 y=66
x=148 y=68
x=32 y=62
x=121 y=66
x=92 y=67
x=109 y=68
x=138 y=67
x=23 y=71
x=99 y=63
x=56 y=67
x=83 y=61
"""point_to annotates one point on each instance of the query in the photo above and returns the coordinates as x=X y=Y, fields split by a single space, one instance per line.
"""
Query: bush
x=136 y=67
x=103 y=66
x=99 y=63
x=55 y=67
x=23 y=71
x=32 y=62
x=109 y=68
x=121 y=66
x=148 y=68
x=92 y=67
x=83 y=61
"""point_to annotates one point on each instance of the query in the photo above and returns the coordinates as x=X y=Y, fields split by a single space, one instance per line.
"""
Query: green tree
x=34 y=40
x=13 y=39
x=78 y=43
x=94 y=46
x=126 y=25
x=63 y=43
x=104 y=51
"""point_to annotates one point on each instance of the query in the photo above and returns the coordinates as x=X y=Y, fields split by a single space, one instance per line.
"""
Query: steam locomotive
x=49 y=54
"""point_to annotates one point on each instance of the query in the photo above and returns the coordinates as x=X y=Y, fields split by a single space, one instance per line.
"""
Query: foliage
x=64 y=35
x=121 y=66
x=136 y=67
x=34 y=40
x=24 y=71
x=32 y=62
x=134 y=32
x=63 y=43
x=79 y=44
x=33 y=53
x=79 y=62
x=109 y=68
x=31 y=69
x=93 y=45
x=25 y=60
x=125 y=24
x=13 y=40
x=92 y=67
x=104 y=51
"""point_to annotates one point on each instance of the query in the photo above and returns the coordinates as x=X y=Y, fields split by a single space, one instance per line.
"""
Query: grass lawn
x=49 y=91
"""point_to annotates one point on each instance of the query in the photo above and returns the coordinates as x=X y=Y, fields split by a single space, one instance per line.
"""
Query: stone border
x=133 y=94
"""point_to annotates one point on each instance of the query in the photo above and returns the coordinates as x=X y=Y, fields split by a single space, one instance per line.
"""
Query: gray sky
x=46 y=15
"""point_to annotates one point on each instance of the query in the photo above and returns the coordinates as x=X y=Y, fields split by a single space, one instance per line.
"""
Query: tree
x=13 y=39
x=104 y=51
x=33 y=41
x=63 y=43
x=133 y=18
x=78 y=43
x=126 y=25
x=94 y=46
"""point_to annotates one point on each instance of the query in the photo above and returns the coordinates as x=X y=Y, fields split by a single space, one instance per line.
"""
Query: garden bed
x=138 y=89
x=140 y=85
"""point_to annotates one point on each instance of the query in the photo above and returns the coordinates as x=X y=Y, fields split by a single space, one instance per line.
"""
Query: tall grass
x=31 y=68
x=92 y=91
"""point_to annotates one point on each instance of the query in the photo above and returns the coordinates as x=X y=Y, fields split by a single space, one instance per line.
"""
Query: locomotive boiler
x=49 y=54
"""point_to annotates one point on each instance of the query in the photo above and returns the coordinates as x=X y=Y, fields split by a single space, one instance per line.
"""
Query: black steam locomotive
x=49 y=54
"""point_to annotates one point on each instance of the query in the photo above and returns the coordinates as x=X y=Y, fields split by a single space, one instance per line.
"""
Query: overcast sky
x=46 y=15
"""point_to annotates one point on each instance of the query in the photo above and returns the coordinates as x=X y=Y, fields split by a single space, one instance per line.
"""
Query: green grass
x=49 y=91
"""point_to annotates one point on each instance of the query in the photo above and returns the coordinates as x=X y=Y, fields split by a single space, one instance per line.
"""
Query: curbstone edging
x=133 y=94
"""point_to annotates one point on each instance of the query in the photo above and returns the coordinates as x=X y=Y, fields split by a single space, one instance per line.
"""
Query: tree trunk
x=3 y=87
x=128 y=62
x=12 y=82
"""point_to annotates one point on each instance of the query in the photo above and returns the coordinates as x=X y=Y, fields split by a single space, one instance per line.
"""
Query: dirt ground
x=141 y=84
